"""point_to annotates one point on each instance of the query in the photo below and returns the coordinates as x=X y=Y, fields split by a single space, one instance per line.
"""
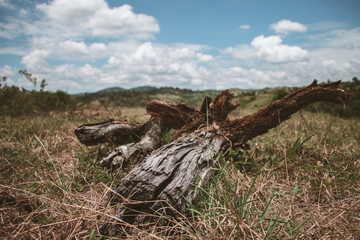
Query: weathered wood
x=114 y=131
x=137 y=139
x=222 y=106
x=133 y=152
x=168 y=177
x=172 y=115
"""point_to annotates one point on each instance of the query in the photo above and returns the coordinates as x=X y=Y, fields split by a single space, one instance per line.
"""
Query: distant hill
x=109 y=90
x=145 y=89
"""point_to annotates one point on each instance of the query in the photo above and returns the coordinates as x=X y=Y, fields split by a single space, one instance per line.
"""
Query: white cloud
x=7 y=71
x=10 y=30
x=249 y=78
x=340 y=38
x=73 y=47
x=79 y=51
x=35 y=61
x=245 y=27
x=286 y=26
x=269 y=49
x=72 y=12
x=326 y=26
x=272 y=50
x=242 y=51
x=121 y=21
x=95 y=18
x=159 y=64
x=5 y=4
x=204 y=57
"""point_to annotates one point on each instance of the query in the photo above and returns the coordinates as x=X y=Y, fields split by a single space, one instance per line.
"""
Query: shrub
x=16 y=102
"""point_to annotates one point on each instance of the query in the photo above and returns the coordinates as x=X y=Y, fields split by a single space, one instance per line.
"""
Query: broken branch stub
x=137 y=139
x=133 y=151
x=110 y=131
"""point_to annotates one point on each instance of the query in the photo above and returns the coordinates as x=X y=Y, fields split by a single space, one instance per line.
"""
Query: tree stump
x=167 y=179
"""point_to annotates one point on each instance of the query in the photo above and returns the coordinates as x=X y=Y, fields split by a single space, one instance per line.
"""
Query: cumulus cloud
x=241 y=51
x=95 y=18
x=272 y=50
x=269 y=49
x=79 y=51
x=71 y=12
x=122 y=21
x=35 y=61
x=286 y=26
x=7 y=71
x=157 y=64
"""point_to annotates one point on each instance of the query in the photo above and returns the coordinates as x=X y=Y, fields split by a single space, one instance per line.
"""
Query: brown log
x=172 y=115
x=171 y=174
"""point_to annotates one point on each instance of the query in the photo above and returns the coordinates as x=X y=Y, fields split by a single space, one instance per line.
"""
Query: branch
x=172 y=115
x=133 y=151
x=114 y=131
x=222 y=106
x=241 y=130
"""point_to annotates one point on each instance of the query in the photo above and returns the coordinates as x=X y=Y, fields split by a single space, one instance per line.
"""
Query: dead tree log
x=145 y=136
x=170 y=175
x=118 y=132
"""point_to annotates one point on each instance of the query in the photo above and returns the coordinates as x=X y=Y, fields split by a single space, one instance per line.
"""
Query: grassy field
x=299 y=181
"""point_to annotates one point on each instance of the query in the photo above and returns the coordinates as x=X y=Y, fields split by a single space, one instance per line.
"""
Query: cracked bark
x=147 y=137
x=132 y=152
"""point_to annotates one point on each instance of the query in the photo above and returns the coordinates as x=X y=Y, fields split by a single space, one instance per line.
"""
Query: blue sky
x=88 y=45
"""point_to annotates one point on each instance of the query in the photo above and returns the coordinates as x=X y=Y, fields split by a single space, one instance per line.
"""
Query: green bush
x=280 y=93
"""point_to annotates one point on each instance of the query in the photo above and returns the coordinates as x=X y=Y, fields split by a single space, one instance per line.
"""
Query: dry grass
x=300 y=180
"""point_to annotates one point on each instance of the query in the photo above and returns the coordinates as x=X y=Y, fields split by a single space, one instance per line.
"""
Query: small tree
x=4 y=80
x=43 y=84
x=29 y=77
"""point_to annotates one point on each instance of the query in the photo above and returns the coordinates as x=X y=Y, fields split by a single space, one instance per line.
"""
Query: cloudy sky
x=88 y=45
